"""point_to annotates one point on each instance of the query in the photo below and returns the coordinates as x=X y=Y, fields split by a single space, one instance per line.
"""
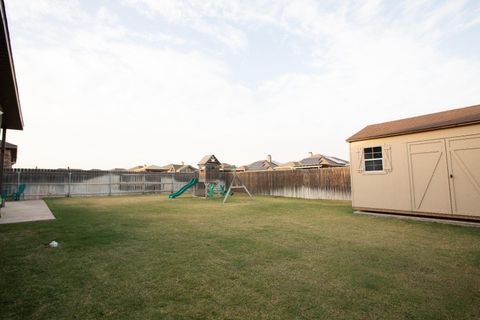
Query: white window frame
x=365 y=160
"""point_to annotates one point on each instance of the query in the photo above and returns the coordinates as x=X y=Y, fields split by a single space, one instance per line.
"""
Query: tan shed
x=426 y=165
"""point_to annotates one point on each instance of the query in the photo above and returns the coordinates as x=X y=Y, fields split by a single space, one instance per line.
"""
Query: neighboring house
x=153 y=168
x=10 y=157
x=426 y=165
x=187 y=169
x=242 y=168
x=138 y=168
x=169 y=168
x=226 y=167
x=260 y=165
x=291 y=165
x=315 y=161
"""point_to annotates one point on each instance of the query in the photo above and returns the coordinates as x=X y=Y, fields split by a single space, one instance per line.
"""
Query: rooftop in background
x=433 y=121
x=261 y=165
x=170 y=168
x=9 y=145
x=291 y=165
x=9 y=100
x=319 y=160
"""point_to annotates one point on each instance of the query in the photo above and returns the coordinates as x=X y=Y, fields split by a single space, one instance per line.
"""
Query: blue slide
x=192 y=182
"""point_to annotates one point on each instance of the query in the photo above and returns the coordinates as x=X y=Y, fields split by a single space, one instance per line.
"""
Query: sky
x=115 y=84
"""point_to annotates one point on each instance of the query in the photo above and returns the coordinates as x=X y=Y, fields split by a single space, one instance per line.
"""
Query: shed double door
x=445 y=176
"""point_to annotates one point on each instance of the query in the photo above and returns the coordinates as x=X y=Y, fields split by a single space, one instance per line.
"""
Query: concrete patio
x=25 y=211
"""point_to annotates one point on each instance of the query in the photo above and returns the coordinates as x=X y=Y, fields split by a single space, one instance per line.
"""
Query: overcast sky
x=107 y=84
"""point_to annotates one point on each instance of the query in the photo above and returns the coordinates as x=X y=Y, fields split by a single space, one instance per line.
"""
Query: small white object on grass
x=53 y=244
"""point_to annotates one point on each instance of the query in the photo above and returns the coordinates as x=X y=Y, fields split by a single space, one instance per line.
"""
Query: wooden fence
x=324 y=183
x=41 y=183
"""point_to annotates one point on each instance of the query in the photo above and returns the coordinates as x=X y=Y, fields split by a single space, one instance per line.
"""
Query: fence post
x=109 y=183
x=69 y=184
x=144 y=184
x=18 y=180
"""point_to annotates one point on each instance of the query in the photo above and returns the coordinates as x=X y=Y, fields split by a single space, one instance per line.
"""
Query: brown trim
x=420 y=214
x=9 y=97
x=413 y=131
x=2 y=163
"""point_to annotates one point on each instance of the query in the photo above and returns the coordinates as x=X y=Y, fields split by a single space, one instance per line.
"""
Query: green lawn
x=147 y=257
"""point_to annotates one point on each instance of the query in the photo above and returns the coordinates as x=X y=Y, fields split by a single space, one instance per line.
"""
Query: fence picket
x=324 y=183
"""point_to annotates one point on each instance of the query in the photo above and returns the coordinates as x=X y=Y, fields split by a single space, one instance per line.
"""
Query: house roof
x=170 y=166
x=433 y=121
x=261 y=165
x=335 y=160
x=185 y=167
x=287 y=165
x=209 y=158
x=321 y=160
x=290 y=164
x=138 y=168
x=153 y=167
x=13 y=150
x=226 y=166
x=9 y=145
x=9 y=100
x=312 y=160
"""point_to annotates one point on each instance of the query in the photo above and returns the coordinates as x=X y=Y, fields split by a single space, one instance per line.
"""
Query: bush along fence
x=42 y=183
x=323 y=183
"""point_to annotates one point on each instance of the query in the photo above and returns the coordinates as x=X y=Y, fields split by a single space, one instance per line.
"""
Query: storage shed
x=426 y=165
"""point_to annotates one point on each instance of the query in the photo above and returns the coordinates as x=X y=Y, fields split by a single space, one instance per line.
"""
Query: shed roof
x=429 y=122
x=12 y=114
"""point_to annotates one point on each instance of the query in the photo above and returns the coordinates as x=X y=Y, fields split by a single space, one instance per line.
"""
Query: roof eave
x=402 y=133
x=12 y=117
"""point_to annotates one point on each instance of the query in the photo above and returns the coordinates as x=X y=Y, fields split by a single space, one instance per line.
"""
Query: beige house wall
x=391 y=190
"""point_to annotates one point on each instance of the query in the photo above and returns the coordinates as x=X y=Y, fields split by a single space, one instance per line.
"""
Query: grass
x=147 y=257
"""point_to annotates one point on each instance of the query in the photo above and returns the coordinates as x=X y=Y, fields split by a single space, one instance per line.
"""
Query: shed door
x=464 y=161
x=429 y=177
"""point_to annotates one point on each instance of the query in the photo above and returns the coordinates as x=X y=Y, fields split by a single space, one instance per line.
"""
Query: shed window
x=373 y=159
